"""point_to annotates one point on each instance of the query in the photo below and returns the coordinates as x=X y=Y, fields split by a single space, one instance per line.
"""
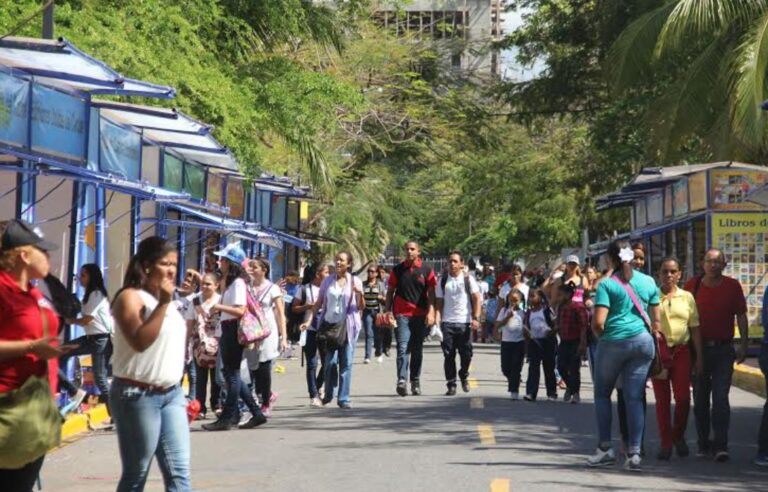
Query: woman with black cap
x=30 y=423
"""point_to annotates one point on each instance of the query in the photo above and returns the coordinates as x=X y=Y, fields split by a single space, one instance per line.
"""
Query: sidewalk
x=78 y=423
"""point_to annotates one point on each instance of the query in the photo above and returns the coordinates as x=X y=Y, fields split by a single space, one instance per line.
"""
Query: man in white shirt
x=458 y=312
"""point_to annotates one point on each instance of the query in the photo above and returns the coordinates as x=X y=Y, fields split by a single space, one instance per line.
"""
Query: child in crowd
x=509 y=324
x=542 y=345
x=573 y=323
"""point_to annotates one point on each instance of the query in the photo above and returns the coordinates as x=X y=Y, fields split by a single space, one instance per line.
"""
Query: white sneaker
x=601 y=458
x=633 y=462
x=514 y=396
x=315 y=403
x=245 y=417
x=367 y=361
x=77 y=399
x=380 y=359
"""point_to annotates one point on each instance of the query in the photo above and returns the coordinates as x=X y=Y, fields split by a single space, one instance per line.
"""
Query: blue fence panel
x=14 y=112
x=58 y=123
x=120 y=150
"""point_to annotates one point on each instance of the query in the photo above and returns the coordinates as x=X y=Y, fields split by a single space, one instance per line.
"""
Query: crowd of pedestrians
x=213 y=326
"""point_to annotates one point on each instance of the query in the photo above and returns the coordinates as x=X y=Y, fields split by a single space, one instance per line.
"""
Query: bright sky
x=510 y=69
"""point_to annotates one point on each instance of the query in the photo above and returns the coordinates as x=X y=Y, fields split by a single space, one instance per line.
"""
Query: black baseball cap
x=19 y=233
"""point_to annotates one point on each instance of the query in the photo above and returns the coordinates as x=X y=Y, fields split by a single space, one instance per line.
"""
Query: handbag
x=30 y=422
x=334 y=335
x=657 y=369
x=254 y=325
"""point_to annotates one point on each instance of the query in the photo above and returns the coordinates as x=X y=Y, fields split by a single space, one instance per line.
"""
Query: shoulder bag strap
x=631 y=293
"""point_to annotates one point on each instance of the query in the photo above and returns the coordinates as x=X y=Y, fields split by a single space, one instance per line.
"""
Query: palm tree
x=707 y=61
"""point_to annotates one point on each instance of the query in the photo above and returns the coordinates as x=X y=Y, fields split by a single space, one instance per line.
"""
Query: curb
x=82 y=422
x=749 y=379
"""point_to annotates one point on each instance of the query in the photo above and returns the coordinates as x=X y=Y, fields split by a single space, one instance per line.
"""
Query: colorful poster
x=742 y=237
x=697 y=190
x=729 y=187
x=14 y=110
x=655 y=208
x=680 y=197
x=215 y=193
x=58 y=123
x=235 y=199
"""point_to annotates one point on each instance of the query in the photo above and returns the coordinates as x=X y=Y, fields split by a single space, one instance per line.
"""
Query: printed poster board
x=667 y=202
x=742 y=236
x=697 y=191
x=680 y=197
x=235 y=199
x=655 y=213
x=729 y=187
x=215 y=189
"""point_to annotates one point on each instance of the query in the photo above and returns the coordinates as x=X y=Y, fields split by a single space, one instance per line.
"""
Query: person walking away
x=97 y=323
x=411 y=299
x=305 y=302
x=30 y=423
x=573 y=324
x=762 y=436
x=509 y=327
x=341 y=299
x=719 y=299
x=374 y=293
x=458 y=304
x=205 y=345
x=538 y=329
x=626 y=308
x=230 y=309
x=679 y=324
x=148 y=404
x=260 y=359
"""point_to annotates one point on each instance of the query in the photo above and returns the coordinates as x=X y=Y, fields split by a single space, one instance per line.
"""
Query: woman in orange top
x=24 y=316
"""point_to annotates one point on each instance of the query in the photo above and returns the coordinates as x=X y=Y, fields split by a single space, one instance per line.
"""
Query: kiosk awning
x=247 y=230
x=60 y=63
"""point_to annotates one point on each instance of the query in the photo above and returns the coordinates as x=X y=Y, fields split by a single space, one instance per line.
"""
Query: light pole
x=48 y=20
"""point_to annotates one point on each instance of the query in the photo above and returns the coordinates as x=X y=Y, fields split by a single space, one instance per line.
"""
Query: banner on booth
x=14 y=111
x=235 y=198
x=729 y=188
x=680 y=197
x=120 y=150
x=58 y=123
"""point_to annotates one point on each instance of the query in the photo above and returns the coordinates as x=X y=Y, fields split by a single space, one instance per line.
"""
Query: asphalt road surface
x=480 y=441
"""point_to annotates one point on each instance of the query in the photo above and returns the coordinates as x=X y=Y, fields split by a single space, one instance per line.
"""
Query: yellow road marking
x=472 y=383
x=500 y=485
x=487 y=438
x=476 y=403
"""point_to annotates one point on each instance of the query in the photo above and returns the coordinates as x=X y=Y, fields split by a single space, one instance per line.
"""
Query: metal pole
x=48 y=21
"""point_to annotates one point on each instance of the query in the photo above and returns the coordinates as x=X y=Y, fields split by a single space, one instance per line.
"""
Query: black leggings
x=262 y=381
x=22 y=479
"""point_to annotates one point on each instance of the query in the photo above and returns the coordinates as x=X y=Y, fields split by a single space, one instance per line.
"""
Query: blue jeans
x=231 y=356
x=96 y=346
x=339 y=362
x=151 y=423
x=191 y=370
x=410 y=333
x=762 y=438
x=369 y=320
x=714 y=382
x=314 y=380
x=630 y=359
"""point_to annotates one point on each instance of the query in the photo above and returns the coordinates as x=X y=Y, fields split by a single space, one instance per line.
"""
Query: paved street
x=476 y=442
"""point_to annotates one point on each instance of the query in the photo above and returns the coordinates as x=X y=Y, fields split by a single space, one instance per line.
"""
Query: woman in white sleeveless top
x=148 y=404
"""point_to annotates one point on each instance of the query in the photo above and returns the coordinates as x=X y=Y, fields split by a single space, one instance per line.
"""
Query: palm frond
x=631 y=55
x=748 y=85
x=689 y=104
x=701 y=19
x=314 y=158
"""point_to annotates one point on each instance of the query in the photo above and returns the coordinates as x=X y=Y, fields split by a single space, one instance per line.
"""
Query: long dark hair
x=95 y=281
x=618 y=266
x=235 y=272
x=149 y=252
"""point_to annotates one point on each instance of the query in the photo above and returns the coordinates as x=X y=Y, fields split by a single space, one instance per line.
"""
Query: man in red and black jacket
x=411 y=298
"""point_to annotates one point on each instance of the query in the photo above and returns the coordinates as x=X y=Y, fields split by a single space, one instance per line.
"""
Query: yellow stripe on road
x=500 y=485
x=487 y=438
x=476 y=403
x=472 y=383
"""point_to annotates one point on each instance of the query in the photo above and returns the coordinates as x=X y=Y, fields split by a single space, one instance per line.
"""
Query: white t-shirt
x=311 y=291
x=537 y=323
x=335 y=303
x=270 y=346
x=484 y=288
x=512 y=331
x=98 y=307
x=162 y=363
x=457 y=305
x=235 y=295
x=506 y=288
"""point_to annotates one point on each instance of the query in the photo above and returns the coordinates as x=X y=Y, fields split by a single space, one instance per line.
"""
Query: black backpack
x=67 y=304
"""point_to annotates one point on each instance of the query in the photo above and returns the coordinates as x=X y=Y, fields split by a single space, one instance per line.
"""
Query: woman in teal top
x=625 y=349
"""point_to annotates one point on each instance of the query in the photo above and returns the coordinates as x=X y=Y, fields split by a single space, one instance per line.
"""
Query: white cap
x=572 y=259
